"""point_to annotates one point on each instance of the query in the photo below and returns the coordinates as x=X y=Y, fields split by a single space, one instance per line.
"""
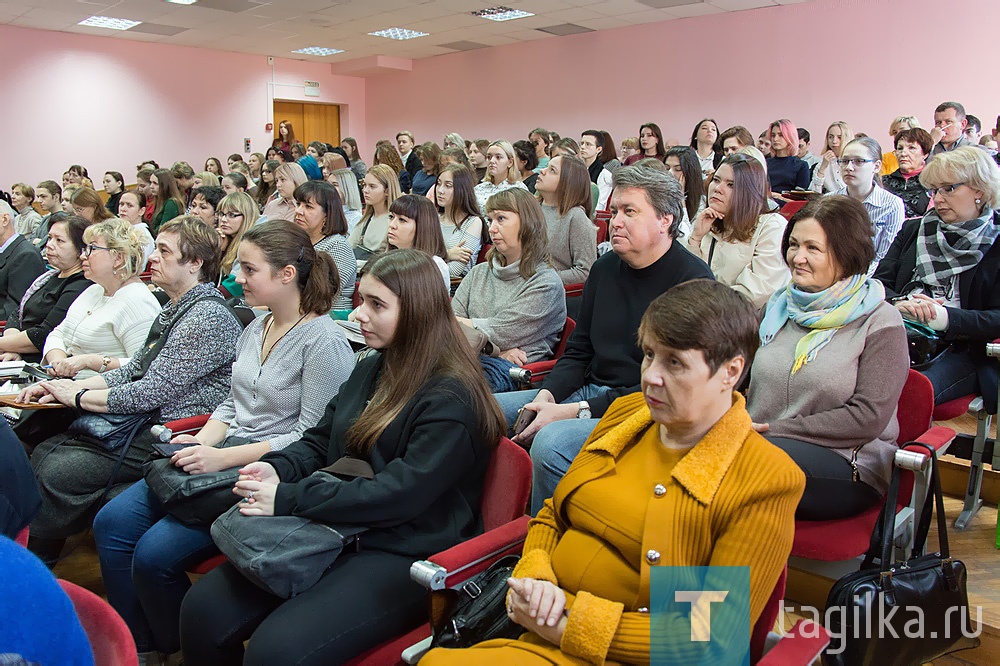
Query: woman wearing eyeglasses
x=860 y=165
x=109 y=321
x=944 y=271
x=237 y=212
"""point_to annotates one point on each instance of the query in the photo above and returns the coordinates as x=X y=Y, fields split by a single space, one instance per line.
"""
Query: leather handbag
x=287 y=555
x=902 y=613
x=193 y=499
x=924 y=344
x=480 y=613
x=110 y=431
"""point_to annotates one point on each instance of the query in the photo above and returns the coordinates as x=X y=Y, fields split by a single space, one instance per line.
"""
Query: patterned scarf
x=945 y=251
x=823 y=312
x=35 y=286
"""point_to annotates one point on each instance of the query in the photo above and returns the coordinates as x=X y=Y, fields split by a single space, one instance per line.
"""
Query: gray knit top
x=572 y=243
x=514 y=312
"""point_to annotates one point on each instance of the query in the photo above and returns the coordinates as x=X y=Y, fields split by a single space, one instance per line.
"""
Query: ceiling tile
x=690 y=11
x=739 y=5
x=605 y=23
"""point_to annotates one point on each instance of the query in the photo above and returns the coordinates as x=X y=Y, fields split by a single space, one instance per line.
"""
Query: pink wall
x=120 y=102
x=814 y=62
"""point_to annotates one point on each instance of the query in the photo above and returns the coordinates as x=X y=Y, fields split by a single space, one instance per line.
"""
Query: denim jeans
x=554 y=446
x=144 y=554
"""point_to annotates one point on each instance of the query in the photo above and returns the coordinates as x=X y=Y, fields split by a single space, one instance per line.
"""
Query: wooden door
x=311 y=122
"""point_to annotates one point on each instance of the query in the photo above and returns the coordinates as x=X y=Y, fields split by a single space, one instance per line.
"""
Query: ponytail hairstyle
x=237 y=179
x=283 y=244
x=874 y=151
x=427 y=235
x=427 y=344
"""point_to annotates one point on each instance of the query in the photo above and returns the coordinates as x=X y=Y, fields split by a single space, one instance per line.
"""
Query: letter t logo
x=701 y=610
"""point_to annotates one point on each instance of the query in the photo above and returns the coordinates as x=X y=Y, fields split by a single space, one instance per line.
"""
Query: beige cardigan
x=756 y=268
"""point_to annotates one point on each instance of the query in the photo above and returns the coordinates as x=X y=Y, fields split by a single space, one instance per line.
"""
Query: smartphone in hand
x=167 y=450
x=524 y=419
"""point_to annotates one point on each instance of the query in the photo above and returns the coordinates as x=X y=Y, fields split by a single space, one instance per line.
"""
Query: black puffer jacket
x=913 y=194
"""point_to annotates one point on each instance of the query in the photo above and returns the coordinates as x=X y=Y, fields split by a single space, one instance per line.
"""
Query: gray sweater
x=514 y=312
x=572 y=243
x=845 y=398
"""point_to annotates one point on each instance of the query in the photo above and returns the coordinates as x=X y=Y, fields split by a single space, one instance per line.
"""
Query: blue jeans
x=144 y=554
x=554 y=446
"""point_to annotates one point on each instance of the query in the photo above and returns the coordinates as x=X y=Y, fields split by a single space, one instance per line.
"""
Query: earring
x=979 y=201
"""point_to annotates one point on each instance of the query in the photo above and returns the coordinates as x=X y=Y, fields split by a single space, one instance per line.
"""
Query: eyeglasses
x=231 y=215
x=944 y=189
x=856 y=161
x=89 y=249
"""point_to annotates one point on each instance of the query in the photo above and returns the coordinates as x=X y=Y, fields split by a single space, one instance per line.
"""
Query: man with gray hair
x=20 y=263
x=602 y=361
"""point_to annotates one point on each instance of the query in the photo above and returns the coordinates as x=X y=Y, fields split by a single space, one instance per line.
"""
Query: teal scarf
x=823 y=312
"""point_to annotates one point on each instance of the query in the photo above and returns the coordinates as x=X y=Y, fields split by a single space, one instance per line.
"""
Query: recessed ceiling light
x=398 y=33
x=108 y=22
x=502 y=14
x=318 y=51
x=182 y=2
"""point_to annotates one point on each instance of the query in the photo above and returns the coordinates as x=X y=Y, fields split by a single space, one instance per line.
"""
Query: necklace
x=267 y=328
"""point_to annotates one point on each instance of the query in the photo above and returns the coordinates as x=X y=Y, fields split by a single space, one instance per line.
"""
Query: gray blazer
x=20 y=264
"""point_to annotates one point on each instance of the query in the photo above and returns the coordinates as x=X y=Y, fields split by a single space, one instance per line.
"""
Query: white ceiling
x=278 y=27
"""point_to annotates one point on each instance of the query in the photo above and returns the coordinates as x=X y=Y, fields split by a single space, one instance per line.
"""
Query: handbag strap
x=884 y=533
x=936 y=495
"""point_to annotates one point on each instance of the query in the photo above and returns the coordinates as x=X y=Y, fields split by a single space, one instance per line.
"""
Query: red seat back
x=22 y=538
x=601 y=220
x=109 y=636
x=791 y=208
x=915 y=408
x=507 y=485
x=567 y=331
x=482 y=252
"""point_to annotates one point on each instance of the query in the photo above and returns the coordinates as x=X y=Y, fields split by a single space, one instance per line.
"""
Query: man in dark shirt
x=20 y=263
x=602 y=360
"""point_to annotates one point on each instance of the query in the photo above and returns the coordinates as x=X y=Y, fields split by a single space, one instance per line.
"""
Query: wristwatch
x=79 y=396
x=105 y=362
x=584 y=410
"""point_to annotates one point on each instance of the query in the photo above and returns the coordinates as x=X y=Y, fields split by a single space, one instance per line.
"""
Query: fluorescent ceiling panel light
x=398 y=33
x=182 y=2
x=108 y=22
x=502 y=14
x=318 y=51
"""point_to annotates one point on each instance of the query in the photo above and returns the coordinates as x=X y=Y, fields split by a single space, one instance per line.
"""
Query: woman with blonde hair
x=205 y=179
x=287 y=177
x=88 y=205
x=107 y=324
x=515 y=297
x=346 y=184
x=237 y=213
x=381 y=188
x=254 y=163
x=943 y=271
x=827 y=176
x=454 y=140
x=501 y=172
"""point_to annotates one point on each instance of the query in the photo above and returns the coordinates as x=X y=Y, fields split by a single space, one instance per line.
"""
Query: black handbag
x=193 y=499
x=480 y=613
x=903 y=613
x=924 y=344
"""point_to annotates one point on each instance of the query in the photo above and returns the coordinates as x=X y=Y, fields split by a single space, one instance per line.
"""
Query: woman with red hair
x=785 y=170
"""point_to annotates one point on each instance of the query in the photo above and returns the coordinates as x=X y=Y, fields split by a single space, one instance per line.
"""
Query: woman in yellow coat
x=671 y=476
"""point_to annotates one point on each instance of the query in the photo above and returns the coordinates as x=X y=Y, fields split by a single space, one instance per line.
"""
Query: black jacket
x=913 y=194
x=429 y=468
x=20 y=264
x=413 y=163
x=977 y=321
x=47 y=308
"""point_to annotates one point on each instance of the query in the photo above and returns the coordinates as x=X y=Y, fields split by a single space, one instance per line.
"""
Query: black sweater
x=47 y=308
x=604 y=347
x=429 y=468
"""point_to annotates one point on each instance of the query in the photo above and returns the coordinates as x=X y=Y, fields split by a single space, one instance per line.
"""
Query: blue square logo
x=699 y=616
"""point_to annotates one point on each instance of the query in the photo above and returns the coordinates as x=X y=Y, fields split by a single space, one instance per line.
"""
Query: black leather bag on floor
x=481 y=611
x=902 y=613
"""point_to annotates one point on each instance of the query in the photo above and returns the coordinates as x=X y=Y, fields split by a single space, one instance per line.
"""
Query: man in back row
x=602 y=361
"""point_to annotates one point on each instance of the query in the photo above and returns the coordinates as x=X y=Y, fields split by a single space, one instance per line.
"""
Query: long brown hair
x=533 y=234
x=386 y=154
x=574 y=185
x=749 y=201
x=427 y=344
x=85 y=197
x=286 y=244
x=166 y=190
x=463 y=200
x=427 y=235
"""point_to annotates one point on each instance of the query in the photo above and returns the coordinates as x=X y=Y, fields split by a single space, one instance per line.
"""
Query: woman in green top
x=237 y=212
x=164 y=192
